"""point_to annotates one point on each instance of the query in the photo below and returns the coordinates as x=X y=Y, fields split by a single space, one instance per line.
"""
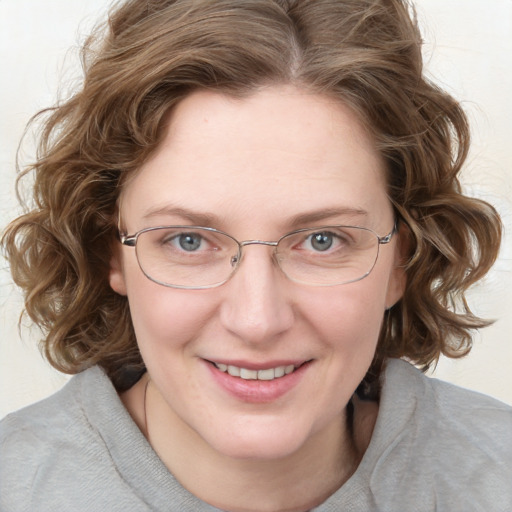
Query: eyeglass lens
x=186 y=257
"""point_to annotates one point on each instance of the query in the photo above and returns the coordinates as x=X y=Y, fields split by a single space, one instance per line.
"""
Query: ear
x=398 y=278
x=116 y=274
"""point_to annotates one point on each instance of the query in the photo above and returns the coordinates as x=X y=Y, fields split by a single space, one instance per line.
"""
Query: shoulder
x=42 y=417
x=43 y=442
x=44 y=420
x=80 y=450
x=446 y=445
x=456 y=411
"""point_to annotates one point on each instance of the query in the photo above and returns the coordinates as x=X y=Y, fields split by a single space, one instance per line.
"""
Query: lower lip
x=258 y=391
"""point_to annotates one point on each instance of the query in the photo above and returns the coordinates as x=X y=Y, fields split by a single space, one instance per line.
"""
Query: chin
x=261 y=450
x=262 y=440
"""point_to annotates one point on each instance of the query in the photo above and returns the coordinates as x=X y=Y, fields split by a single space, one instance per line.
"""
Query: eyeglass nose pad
x=234 y=260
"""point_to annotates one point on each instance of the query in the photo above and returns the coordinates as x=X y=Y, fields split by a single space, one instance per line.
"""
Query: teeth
x=248 y=374
x=266 y=374
x=244 y=373
x=233 y=370
x=279 y=372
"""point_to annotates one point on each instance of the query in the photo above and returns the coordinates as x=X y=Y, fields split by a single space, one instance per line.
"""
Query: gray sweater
x=434 y=447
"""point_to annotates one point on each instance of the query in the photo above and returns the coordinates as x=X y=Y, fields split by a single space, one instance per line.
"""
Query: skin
x=253 y=165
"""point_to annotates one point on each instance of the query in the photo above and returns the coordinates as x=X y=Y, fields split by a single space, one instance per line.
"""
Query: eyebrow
x=326 y=213
x=196 y=218
x=211 y=220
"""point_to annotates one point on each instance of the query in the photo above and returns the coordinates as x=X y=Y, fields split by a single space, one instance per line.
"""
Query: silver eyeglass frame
x=131 y=241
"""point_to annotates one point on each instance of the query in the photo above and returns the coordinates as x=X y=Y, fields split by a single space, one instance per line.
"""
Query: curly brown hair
x=151 y=54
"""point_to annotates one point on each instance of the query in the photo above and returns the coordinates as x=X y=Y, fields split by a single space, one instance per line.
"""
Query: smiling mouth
x=267 y=374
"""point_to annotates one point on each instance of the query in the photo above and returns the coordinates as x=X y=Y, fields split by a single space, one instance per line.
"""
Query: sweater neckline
x=133 y=456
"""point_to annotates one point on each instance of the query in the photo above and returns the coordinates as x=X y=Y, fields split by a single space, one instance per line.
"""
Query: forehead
x=276 y=154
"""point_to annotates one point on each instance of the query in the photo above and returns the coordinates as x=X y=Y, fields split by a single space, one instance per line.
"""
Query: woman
x=243 y=221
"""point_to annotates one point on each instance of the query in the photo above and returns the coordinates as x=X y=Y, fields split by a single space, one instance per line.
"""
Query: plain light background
x=468 y=49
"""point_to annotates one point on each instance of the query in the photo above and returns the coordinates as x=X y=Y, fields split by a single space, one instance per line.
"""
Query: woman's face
x=258 y=168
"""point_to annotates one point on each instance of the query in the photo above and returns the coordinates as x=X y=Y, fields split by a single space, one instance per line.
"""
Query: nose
x=257 y=306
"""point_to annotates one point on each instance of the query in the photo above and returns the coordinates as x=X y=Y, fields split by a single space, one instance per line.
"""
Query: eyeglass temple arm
x=129 y=241
x=387 y=238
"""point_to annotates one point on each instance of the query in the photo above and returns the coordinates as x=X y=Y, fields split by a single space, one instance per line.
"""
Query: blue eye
x=189 y=241
x=322 y=241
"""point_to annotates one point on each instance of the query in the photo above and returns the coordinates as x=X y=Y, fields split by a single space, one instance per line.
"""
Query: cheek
x=165 y=318
x=357 y=308
x=347 y=323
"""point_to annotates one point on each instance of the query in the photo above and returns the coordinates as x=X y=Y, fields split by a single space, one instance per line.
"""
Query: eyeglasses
x=196 y=257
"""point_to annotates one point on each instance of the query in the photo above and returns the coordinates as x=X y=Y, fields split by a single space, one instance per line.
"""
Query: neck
x=295 y=483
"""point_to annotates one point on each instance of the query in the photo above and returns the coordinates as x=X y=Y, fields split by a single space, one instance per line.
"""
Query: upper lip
x=251 y=365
